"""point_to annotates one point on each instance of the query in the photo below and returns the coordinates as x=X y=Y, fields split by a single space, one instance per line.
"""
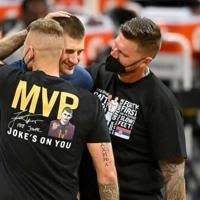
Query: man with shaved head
x=35 y=165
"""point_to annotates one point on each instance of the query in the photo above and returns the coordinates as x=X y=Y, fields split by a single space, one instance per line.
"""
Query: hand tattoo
x=109 y=191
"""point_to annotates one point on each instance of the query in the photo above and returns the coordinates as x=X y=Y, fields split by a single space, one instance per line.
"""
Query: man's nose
x=74 y=58
x=114 y=53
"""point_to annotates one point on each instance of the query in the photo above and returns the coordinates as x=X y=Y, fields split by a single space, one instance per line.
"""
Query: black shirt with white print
x=36 y=163
x=146 y=126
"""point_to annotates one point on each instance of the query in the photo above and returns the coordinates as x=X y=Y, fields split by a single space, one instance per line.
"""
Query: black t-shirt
x=36 y=163
x=146 y=125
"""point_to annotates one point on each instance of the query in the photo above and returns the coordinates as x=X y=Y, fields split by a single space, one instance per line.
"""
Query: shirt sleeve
x=167 y=133
x=100 y=132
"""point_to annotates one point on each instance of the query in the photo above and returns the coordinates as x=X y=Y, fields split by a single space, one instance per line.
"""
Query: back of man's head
x=145 y=33
x=45 y=43
x=72 y=26
x=45 y=34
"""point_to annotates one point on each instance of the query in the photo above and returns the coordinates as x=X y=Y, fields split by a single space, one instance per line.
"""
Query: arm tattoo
x=109 y=191
x=105 y=154
x=174 y=180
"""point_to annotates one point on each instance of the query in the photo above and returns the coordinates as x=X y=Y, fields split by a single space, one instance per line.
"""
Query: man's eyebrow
x=70 y=50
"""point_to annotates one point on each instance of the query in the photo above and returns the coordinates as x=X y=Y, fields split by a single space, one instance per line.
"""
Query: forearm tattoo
x=109 y=191
x=11 y=43
x=105 y=154
x=174 y=180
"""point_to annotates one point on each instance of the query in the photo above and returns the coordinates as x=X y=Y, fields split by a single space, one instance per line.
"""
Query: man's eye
x=79 y=52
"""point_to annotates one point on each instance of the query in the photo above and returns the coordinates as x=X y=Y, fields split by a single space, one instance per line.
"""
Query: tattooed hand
x=108 y=192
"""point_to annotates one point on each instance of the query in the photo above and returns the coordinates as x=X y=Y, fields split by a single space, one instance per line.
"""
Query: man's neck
x=136 y=75
x=64 y=122
x=47 y=68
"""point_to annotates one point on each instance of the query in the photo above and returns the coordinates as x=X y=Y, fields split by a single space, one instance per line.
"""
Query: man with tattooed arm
x=146 y=127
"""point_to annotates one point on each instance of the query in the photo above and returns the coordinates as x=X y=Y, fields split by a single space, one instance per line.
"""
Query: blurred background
x=177 y=64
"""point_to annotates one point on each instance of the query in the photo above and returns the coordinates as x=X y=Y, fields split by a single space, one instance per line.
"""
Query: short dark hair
x=72 y=26
x=145 y=33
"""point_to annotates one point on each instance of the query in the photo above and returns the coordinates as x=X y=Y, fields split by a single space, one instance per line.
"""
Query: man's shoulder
x=81 y=70
x=6 y=68
x=99 y=69
x=81 y=77
x=100 y=75
x=19 y=64
x=71 y=126
x=8 y=74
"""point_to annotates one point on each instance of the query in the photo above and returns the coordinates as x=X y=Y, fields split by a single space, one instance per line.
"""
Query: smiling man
x=74 y=33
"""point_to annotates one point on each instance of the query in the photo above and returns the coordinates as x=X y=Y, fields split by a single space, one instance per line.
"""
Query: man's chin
x=69 y=72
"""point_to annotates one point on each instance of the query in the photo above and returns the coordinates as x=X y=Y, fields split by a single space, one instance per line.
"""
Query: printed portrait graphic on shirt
x=112 y=107
x=120 y=114
x=63 y=128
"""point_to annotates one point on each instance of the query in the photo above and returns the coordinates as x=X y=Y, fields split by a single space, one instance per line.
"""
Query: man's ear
x=148 y=60
x=30 y=53
x=29 y=56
